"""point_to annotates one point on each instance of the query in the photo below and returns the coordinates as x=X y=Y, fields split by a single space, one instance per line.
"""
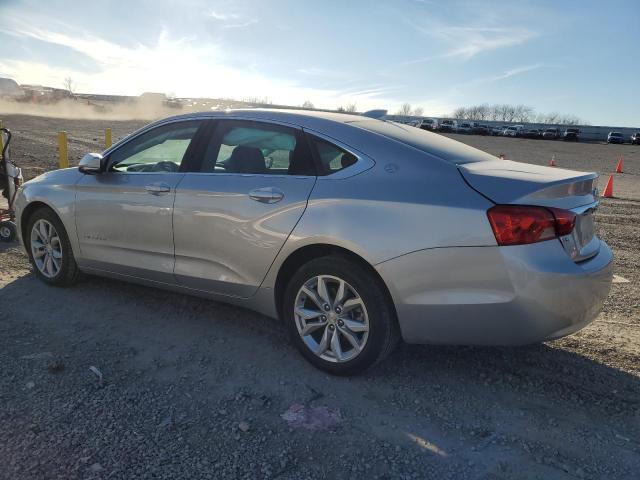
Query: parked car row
x=475 y=128
x=570 y=134
x=617 y=137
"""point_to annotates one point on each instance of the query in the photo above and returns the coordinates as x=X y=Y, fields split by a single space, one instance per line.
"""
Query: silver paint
x=413 y=207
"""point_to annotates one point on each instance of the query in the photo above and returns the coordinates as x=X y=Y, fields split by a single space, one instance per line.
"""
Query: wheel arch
x=302 y=255
x=29 y=210
x=26 y=214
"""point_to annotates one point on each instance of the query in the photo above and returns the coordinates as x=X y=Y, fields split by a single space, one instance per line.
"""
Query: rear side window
x=438 y=145
x=331 y=158
x=248 y=147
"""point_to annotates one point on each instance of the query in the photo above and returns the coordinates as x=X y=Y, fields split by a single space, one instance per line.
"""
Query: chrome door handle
x=266 y=195
x=157 y=188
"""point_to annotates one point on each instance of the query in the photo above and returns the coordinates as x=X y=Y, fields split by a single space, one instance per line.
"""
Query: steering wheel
x=165 y=166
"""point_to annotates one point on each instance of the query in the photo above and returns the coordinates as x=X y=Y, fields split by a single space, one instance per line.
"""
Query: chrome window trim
x=202 y=117
x=265 y=175
x=363 y=163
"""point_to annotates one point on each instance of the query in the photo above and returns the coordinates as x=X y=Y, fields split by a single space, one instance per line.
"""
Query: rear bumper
x=496 y=295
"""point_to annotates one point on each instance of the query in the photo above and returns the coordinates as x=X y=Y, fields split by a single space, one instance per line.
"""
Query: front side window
x=245 y=147
x=332 y=158
x=161 y=149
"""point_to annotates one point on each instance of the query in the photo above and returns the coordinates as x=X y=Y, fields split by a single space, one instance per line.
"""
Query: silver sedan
x=355 y=232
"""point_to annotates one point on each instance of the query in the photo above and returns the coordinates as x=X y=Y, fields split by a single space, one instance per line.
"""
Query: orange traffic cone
x=608 y=190
x=552 y=162
x=620 y=164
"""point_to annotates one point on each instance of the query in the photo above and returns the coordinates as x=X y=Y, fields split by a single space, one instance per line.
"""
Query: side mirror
x=91 y=164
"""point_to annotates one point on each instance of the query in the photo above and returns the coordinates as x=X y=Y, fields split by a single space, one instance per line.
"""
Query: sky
x=572 y=57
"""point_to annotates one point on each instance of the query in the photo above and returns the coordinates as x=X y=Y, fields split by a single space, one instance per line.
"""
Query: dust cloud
x=84 y=110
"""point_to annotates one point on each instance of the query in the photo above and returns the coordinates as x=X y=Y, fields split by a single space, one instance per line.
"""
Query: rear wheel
x=49 y=249
x=339 y=315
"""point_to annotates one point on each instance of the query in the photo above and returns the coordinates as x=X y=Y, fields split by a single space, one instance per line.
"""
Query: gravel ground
x=189 y=388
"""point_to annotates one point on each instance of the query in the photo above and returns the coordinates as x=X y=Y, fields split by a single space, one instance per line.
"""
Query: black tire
x=383 y=335
x=68 y=272
x=8 y=231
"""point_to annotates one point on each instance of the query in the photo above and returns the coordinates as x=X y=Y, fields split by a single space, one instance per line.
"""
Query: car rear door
x=124 y=215
x=238 y=203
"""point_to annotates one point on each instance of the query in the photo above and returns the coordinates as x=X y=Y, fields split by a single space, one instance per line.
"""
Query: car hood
x=509 y=182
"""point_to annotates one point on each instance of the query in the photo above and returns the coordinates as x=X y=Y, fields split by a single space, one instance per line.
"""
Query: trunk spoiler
x=509 y=182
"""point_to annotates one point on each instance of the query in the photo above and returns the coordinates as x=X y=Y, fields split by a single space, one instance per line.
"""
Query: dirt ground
x=188 y=388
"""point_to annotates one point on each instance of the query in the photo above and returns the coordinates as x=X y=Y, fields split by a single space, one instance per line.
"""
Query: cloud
x=223 y=16
x=184 y=66
x=465 y=42
x=236 y=20
x=241 y=24
x=517 y=71
x=512 y=72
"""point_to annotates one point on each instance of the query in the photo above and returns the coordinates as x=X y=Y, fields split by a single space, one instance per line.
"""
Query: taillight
x=565 y=221
x=521 y=224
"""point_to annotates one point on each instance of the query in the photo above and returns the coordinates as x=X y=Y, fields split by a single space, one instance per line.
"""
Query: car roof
x=303 y=118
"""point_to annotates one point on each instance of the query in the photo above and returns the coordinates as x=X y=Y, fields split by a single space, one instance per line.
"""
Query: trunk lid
x=509 y=182
x=505 y=181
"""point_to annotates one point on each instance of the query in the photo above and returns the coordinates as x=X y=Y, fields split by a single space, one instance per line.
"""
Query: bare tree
x=572 y=120
x=460 y=113
x=418 y=111
x=351 y=108
x=513 y=113
x=405 y=110
x=307 y=104
x=70 y=86
x=483 y=112
x=522 y=113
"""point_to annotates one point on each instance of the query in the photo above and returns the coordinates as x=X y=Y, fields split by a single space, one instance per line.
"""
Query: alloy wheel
x=331 y=318
x=46 y=248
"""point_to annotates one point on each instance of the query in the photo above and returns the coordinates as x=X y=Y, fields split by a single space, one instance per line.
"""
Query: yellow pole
x=63 y=154
x=107 y=138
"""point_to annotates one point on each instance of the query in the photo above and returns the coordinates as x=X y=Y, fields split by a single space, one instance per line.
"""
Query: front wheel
x=49 y=249
x=340 y=315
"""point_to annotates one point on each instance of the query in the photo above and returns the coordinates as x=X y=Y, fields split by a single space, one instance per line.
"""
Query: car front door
x=234 y=211
x=124 y=215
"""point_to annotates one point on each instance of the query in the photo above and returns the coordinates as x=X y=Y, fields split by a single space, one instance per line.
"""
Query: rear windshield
x=432 y=143
x=615 y=134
